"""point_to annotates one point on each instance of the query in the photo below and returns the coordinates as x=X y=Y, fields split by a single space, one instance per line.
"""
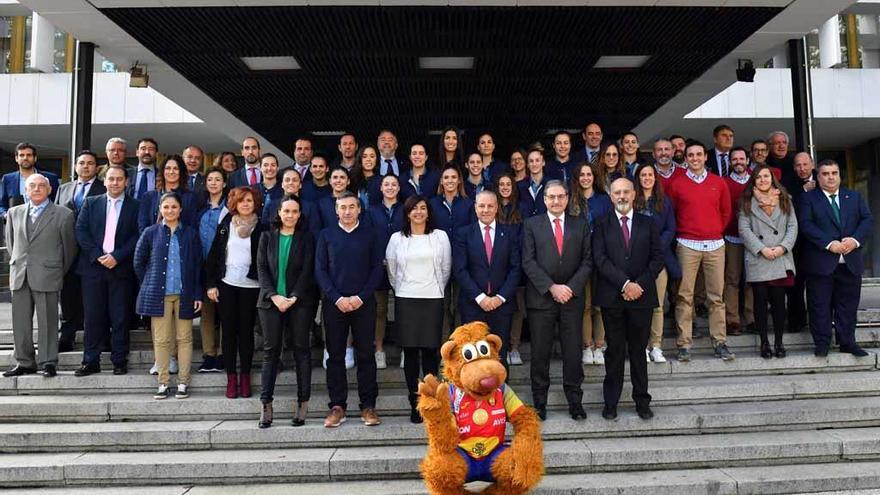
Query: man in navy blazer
x=250 y=174
x=12 y=192
x=105 y=265
x=835 y=222
x=486 y=264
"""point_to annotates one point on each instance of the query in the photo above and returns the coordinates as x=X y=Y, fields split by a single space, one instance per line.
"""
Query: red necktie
x=253 y=176
x=557 y=233
x=487 y=242
x=625 y=229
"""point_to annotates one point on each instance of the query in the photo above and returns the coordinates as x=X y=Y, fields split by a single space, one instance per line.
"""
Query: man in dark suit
x=628 y=257
x=73 y=195
x=592 y=137
x=718 y=160
x=142 y=178
x=556 y=260
x=486 y=264
x=802 y=180
x=12 y=189
x=250 y=174
x=388 y=162
x=835 y=223
x=107 y=232
x=193 y=158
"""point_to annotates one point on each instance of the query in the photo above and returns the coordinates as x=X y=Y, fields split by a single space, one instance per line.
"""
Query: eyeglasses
x=554 y=197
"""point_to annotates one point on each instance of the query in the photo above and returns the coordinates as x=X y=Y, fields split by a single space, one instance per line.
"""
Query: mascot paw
x=428 y=388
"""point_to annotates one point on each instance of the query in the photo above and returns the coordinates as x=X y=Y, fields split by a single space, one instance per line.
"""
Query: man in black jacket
x=628 y=257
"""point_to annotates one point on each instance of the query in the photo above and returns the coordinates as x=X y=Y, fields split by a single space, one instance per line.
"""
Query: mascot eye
x=469 y=352
x=483 y=348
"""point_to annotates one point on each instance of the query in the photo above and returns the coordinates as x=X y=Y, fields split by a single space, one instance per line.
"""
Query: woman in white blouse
x=419 y=260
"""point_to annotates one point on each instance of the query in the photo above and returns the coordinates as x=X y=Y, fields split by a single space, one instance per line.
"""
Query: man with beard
x=13 y=190
x=347 y=151
x=142 y=178
x=303 y=152
x=667 y=171
x=679 y=143
x=592 y=136
x=250 y=175
x=779 y=155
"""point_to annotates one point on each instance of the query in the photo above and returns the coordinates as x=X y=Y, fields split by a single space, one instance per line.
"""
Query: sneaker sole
x=178 y=396
x=160 y=397
x=371 y=424
x=335 y=425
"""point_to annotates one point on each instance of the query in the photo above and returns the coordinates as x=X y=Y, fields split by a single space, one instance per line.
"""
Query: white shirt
x=831 y=202
x=629 y=225
x=491 y=226
x=418 y=279
x=238 y=261
x=719 y=162
x=553 y=218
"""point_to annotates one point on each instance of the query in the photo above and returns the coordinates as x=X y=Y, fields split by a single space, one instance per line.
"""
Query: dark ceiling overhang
x=533 y=66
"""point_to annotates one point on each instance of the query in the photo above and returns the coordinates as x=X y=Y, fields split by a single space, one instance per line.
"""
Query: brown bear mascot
x=466 y=416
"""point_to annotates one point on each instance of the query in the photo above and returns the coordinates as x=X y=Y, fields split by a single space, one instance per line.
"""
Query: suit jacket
x=10 y=195
x=90 y=224
x=43 y=255
x=300 y=273
x=760 y=230
x=66 y=191
x=543 y=266
x=712 y=163
x=641 y=262
x=133 y=180
x=239 y=178
x=475 y=274
x=819 y=227
x=199 y=187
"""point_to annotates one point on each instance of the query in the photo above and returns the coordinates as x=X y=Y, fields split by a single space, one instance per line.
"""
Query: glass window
x=5 y=43
x=869 y=40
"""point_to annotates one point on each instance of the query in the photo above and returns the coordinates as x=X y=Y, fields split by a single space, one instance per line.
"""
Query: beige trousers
x=167 y=329
x=711 y=265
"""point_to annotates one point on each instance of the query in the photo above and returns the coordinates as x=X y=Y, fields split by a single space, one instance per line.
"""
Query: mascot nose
x=489 y=383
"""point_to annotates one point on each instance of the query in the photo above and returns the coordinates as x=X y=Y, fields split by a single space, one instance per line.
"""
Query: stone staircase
x=796 y=425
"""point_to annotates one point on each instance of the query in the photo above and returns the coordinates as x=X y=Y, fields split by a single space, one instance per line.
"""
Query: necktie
x=192 y=182
x=142 y=184
x=388 y=167
x=557 y=233
x=35 y=214
x=487 y=242
x=110 y=227
x=79 y=196
x=835 y=208
x=724 y=164
x=253 y=178
x=625 y=230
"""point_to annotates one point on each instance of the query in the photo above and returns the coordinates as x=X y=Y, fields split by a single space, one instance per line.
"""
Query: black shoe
x=684 y=355
x=414 y=416
x=609 y=412
x=645 y=412
x=120 y=370
x=780 y=351
x=19 y=370
x=766 y=353
x=542 y=412
x=821 y=352
x=854 y=349
x=723 y=353
x=87 y=369
x=48 y=370
x=576 y=411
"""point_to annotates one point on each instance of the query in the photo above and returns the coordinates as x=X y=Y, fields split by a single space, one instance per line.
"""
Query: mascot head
x=471 y=360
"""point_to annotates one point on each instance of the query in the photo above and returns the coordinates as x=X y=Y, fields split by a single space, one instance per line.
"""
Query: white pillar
x=829 y=43
x=42 y=45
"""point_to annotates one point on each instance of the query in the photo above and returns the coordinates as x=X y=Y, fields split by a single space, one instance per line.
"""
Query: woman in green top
x=287 y=302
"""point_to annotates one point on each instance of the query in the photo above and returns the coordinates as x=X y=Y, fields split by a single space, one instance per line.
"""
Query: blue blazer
x=529 y=207
x=385 y=227
x=151 y=260
x=462 y=214
x=666 y=227
x=313 y=193
x=90 y=225
x=148 y=213
x=818 y=227
x=471 y=189
x=475 y=274
x=10 y=195
x=560 y=171
x=271 y=198
x=497 y=168
x=428 y=185
x=239 y=178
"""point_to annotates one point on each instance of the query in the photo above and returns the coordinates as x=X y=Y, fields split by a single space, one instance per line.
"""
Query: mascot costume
x=465 y=418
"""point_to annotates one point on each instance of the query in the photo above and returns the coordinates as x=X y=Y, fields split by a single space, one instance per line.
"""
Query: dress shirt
x=247 y=174
x=302 y=169
x=831 y=202
x=151 y=179
x=383 y=166
x=700 y=245
x=173 y=283
x=492 y=225
x=697 y=178
x=118 y=207
x=553 y=218
x=36 y=210
x=629 y=224
x=720 y=162
x=663 y=174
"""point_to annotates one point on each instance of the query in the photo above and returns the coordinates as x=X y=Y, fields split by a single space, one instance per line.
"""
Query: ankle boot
x=299 y=414
x=244 y=383
x=766 y=353
x=780 y=349
x=231 y=386
x=266 y=415
x=414 y=416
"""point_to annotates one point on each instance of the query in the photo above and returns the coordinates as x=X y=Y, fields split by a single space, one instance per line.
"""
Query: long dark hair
x=578 y=204
x=748 y=193
x=181 y=166
x=603 y=170
x=514 y=217
x=659 y=196
x=408 y=206
x=300 y=224
x=459 y=150
x=357 y=178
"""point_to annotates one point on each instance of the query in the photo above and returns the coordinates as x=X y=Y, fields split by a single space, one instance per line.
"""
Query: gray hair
x=555 y=183
x=778 y=133
x=116 y=140
x=34 y=177
x=486 y=192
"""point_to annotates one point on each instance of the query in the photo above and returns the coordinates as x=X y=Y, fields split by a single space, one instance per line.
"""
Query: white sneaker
x=326 y=357
x=162 y=393
x=587 y=356
x=401 y=358
x=155 y=369
x=514 y=358
x=598 y=356
x=647 y=356
x=349 y=358
x=657 y=355
x=182 y=392
x=380 y=360
x=172 y=366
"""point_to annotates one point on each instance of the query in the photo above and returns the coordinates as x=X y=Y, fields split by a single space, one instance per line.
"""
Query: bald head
x=803 y=165
x=623 y=194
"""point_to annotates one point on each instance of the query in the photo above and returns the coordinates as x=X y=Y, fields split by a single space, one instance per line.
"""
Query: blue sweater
x=385 y=226
x=428 y=183
x=311 y=192
x=328 y=217
x=529 y=207
x=349 y=264
x=150 y=257
x=462 y=214
x=599 y=205
x=666 y=226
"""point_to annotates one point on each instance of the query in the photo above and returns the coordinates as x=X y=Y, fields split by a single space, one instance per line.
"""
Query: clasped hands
x=349 y=304
x=283 y=303
x=771 y=253
x=843 y=246
x=491 y=303
x=632 y=291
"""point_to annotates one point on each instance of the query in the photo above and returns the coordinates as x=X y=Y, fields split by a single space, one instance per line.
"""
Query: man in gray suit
x=42 y=246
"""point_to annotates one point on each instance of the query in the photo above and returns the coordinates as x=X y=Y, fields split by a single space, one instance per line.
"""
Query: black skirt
x=419 y=322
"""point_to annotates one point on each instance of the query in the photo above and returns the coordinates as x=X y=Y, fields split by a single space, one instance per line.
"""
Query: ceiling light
x=621 y=61
x=271 y=63
x=446 y=63
x=328 y=133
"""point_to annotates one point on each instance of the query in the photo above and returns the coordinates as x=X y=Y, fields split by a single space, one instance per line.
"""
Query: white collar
x=483 y=225
x=554 y=217
x=352 y=229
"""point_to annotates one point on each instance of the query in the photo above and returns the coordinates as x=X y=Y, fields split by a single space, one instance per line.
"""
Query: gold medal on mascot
x=480 y=417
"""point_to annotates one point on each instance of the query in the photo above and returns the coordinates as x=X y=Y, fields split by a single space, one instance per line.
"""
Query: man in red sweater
x=734 y=254
x=702 y=211
x=666 y=169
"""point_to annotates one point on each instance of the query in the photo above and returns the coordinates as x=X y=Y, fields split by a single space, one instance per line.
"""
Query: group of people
x=584 y=247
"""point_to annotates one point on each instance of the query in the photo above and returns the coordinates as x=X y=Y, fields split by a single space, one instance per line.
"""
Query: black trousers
x=626 y=331
x=71 y=308
x=426 y=359
x=764 y=293
x=296 y=322
x=834 y=300
x=238 y=312
x=362 y=324
x=797 y=310
x=108 y=304
x=542 y=322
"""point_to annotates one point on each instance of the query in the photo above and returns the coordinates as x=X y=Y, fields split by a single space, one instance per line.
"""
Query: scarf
x=767 y=201
x=244 y=226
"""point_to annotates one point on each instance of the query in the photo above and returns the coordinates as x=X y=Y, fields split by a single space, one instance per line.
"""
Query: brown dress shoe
x=335 y=418
x=369 y=417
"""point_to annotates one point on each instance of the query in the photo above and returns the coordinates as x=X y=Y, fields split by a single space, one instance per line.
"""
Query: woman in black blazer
x=287 y=301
